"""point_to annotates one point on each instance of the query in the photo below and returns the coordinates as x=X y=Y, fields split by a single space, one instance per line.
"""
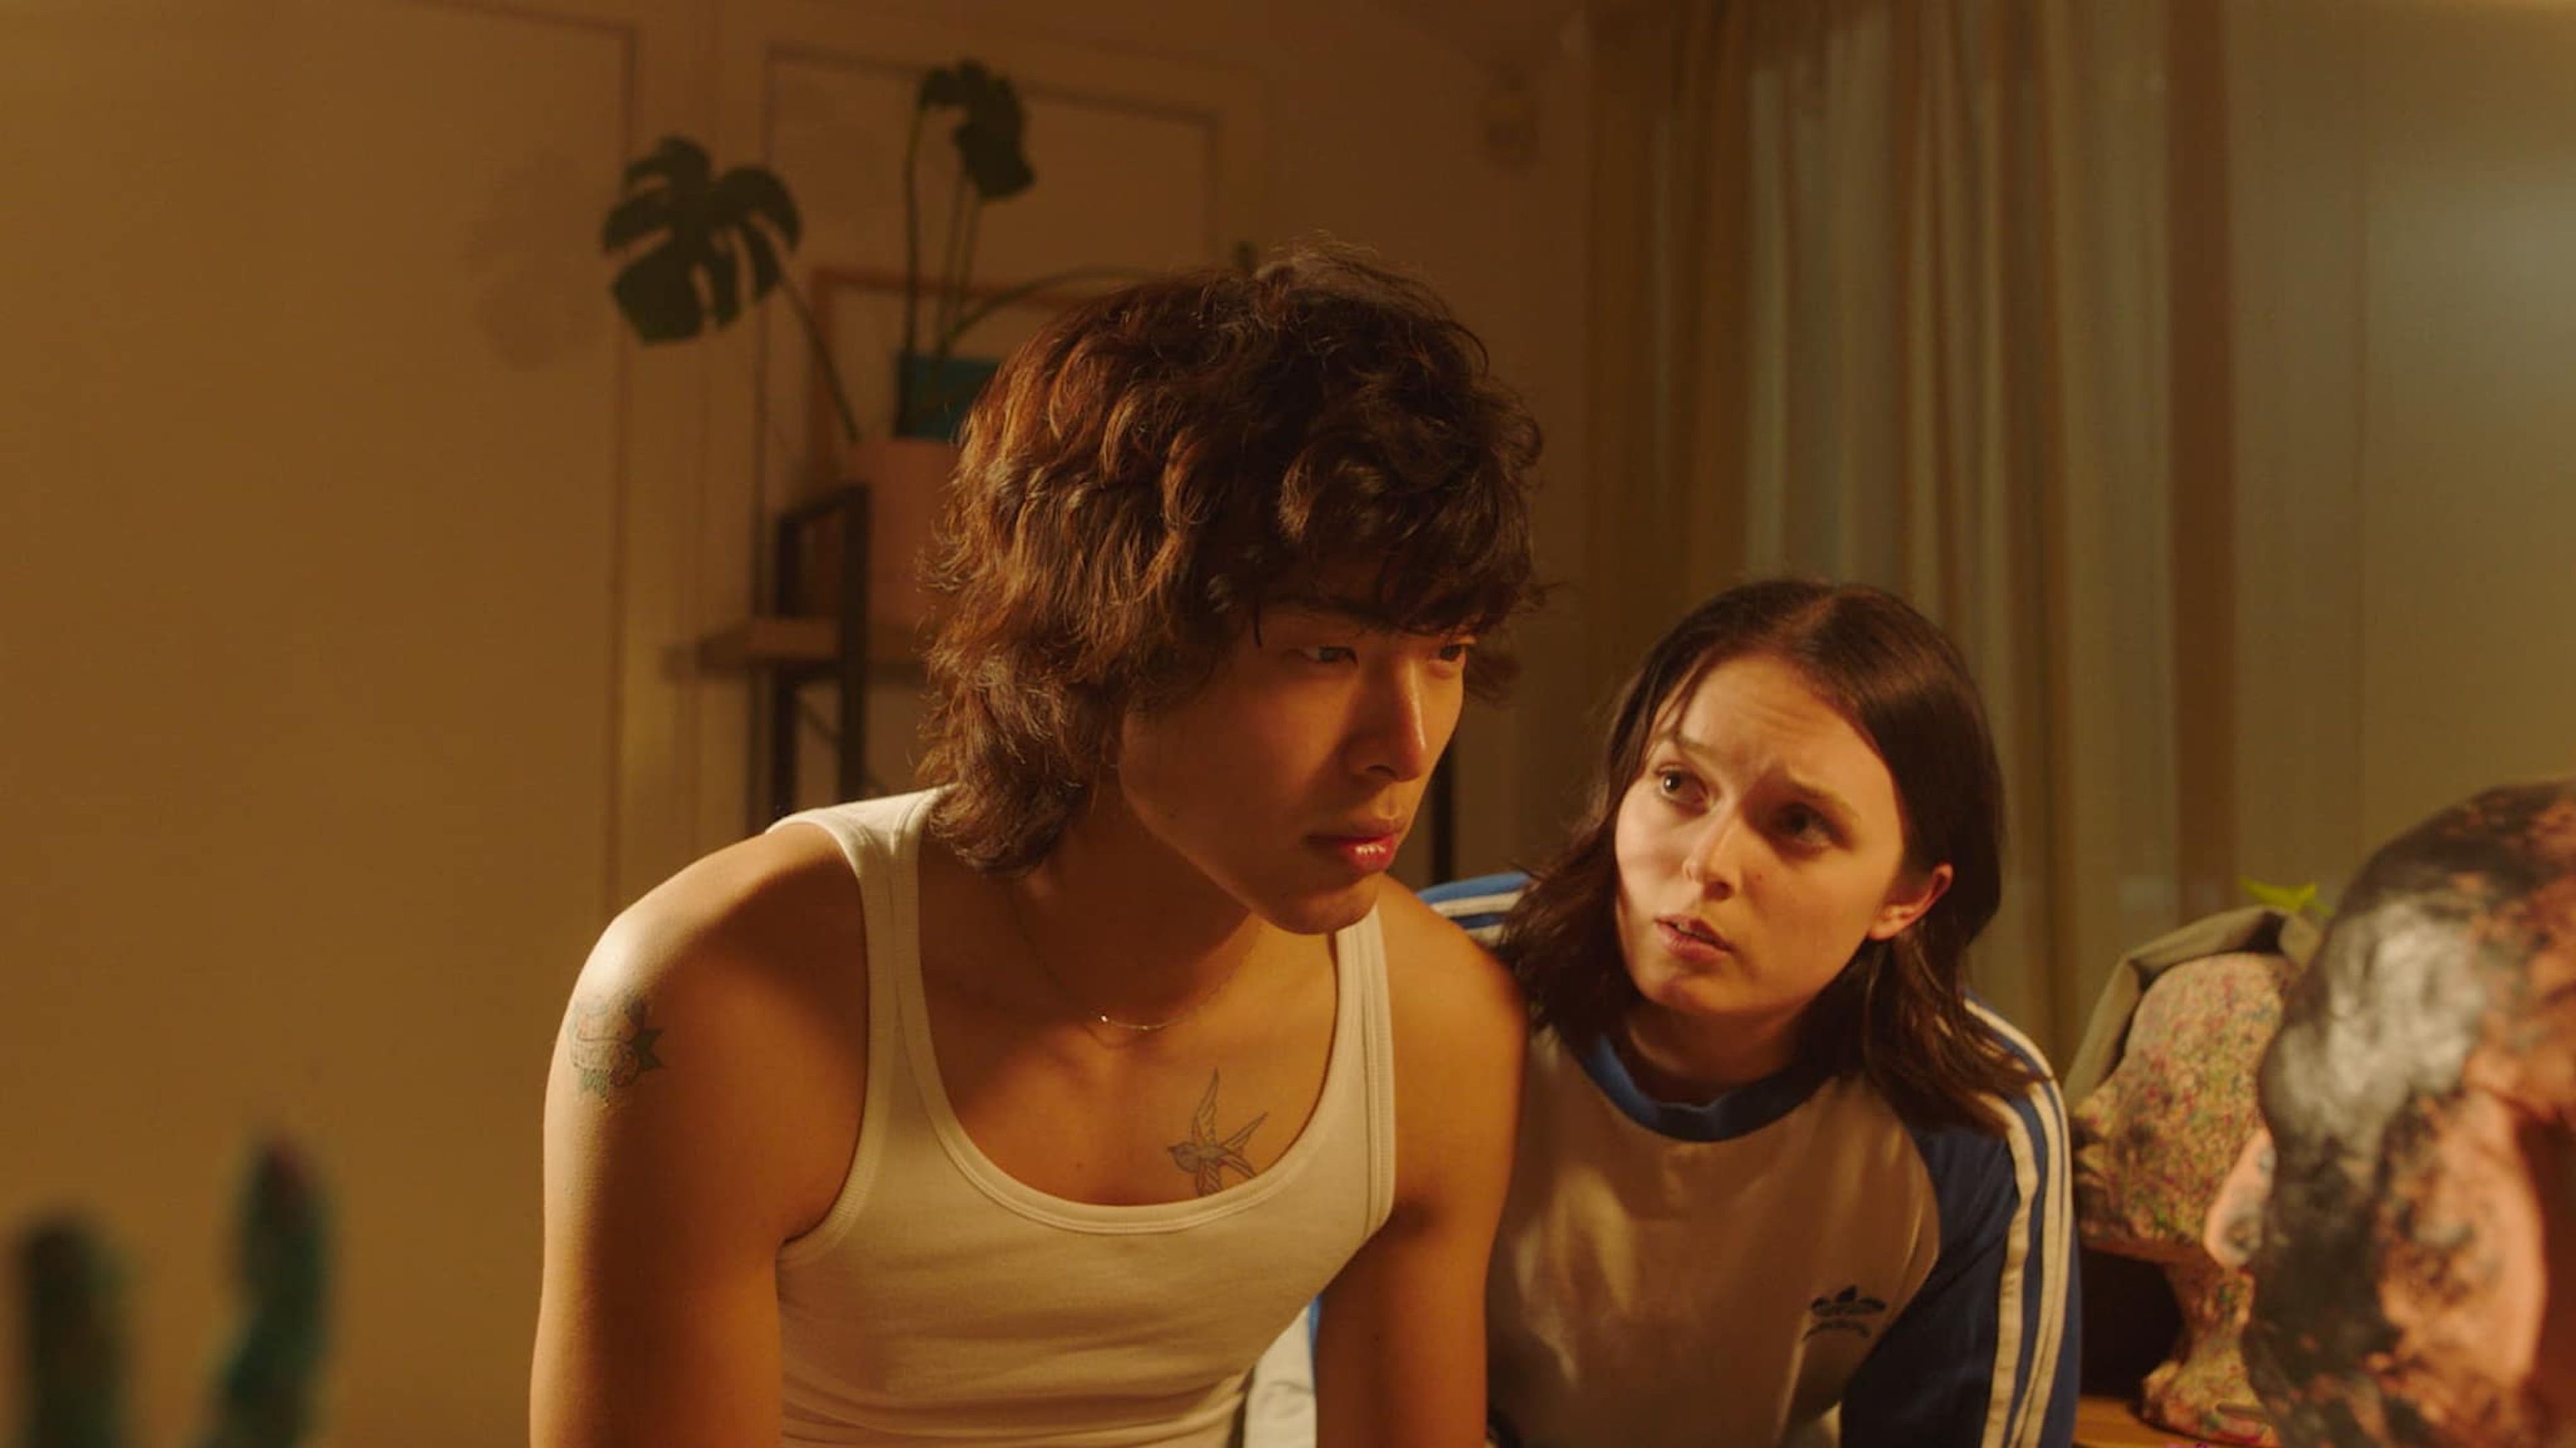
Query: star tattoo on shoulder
x=1207 y=1156
x=611 y=1045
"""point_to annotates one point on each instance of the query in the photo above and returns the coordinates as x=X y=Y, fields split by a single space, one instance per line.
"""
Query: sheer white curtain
x=1880 y=294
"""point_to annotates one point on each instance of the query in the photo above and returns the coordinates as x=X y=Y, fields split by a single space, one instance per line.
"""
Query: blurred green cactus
x=265 y=1398
x=75 y=1323
x=75 y=1339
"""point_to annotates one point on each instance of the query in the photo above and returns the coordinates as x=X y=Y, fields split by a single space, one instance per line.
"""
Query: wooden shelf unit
x=791 y=649
x=767 y=641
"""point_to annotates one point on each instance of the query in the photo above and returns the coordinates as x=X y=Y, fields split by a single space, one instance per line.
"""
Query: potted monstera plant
x=934 y=385
x=702 y=248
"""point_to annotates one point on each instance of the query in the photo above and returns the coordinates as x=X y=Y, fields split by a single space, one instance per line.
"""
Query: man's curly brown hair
x=1150 y=470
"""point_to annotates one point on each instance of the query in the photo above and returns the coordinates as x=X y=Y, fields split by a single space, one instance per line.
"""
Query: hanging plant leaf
x=708 y=227
x=942 y=87
x=673 y=289
x=988 y=137
x=724 y=294
x=750 y=191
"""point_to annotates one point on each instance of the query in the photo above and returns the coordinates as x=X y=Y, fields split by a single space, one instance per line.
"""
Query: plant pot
x=936 y=391
x=907 y=479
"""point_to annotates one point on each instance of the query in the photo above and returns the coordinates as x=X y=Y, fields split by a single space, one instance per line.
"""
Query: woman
x=1775 y=1164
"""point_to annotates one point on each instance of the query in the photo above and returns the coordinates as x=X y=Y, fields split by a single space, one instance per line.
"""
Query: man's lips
x=1367 y=848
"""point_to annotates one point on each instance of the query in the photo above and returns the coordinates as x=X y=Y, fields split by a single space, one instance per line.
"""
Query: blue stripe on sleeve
x=2049 y=1362
x=1985 y=1353
x=1477 y=905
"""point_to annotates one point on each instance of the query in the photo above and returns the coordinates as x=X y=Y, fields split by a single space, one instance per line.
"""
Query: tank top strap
x=1359 y=954
x=881 y=839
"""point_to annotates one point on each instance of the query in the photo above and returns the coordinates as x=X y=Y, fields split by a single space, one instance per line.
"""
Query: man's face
x=1290 y=777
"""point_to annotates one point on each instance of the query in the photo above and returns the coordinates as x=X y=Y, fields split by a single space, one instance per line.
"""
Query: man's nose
x=1399 y=737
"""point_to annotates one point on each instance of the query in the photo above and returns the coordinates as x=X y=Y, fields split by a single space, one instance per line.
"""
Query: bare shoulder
x=1436 y=972
x=764 y=935
x=760 y=905
x=700 y=1111
x=1460 y=1029
x=1400 y=1357
x=724 y=1012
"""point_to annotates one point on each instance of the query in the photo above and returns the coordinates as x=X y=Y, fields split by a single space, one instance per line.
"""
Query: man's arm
x=682 y=1146
x=1400 y=1359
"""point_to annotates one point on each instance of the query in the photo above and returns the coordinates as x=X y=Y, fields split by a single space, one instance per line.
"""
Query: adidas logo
x=1845 y=1311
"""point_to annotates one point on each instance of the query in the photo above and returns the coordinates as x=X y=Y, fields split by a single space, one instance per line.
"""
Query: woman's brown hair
x=1155 y=466
x=1898 y=1013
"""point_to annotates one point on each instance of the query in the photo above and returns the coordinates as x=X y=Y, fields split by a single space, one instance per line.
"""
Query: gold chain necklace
x=1028 y=941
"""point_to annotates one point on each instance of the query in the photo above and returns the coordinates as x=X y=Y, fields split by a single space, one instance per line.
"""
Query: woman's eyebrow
x=1825 y=799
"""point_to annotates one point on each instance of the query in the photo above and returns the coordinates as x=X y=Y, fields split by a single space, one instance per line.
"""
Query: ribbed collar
x=1740 y=1111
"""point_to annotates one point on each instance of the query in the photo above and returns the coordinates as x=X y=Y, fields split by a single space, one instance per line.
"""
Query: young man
x=1032 y=1108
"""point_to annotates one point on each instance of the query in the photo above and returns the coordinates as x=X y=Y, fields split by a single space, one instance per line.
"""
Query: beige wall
x=2406 y=192
x=310 y=647
x=2468 y=485
x=349 y=561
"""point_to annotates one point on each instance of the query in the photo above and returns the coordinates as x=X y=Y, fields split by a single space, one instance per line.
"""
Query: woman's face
x=1758 y=847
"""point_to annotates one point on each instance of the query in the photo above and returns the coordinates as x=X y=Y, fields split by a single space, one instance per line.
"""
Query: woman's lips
x=1690 y=940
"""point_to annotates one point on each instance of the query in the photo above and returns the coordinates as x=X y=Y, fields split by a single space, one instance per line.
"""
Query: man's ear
x=1907 y=900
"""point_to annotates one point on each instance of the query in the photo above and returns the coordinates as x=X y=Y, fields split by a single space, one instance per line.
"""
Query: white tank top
x=943 y=1302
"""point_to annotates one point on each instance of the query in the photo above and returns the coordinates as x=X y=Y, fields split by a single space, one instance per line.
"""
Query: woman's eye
x=1802 y=822
x=1674 y=784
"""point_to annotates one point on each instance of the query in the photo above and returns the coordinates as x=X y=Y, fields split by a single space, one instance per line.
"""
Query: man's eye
x=1327 y=654
x=1456 y=651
